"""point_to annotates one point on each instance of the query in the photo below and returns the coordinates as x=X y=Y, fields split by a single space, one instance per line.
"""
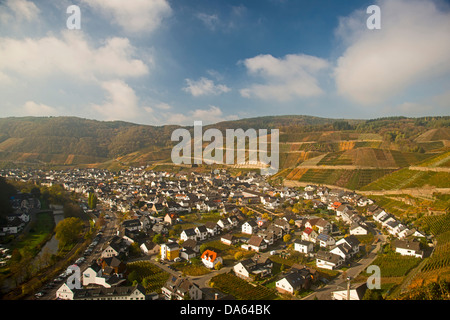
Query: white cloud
x=163 y=106
x=412 y=47
x=207 y=116
x=210 y=20
x=284 y=78
x=32 y=108
x=70 y=55
x=121 y=104
x=134 y=16
x=20 y=10
x=203 y=87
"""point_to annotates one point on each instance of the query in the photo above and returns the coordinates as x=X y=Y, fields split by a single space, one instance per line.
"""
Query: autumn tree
x=68 y=231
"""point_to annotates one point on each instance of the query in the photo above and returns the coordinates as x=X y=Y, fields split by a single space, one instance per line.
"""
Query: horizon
x=212 y=124
x=165 y=62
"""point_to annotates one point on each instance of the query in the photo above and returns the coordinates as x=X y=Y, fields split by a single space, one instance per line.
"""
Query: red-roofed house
x=309 y=235
x=210 y=259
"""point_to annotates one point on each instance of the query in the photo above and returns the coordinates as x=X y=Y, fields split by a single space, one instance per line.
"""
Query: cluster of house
x=157 y=201
x=22 y=205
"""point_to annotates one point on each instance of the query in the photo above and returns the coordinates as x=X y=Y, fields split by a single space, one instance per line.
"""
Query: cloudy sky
x=173 y=61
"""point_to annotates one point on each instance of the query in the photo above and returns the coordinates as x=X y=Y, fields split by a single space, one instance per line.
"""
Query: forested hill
x=72 y=141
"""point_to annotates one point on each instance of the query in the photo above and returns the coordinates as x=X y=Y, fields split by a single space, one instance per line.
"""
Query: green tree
x=158 y=238
x=92 y=200
x=68 y=231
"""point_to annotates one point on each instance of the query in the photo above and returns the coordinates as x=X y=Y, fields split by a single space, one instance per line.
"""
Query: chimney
x=216 y=296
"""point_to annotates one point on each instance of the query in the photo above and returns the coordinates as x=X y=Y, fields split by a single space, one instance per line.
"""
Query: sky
x=161 y=62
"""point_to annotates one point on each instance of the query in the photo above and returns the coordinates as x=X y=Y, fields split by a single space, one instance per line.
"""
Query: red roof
x=210 y=255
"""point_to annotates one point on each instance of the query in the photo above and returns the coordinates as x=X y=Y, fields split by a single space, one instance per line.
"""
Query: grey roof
x=106 y=292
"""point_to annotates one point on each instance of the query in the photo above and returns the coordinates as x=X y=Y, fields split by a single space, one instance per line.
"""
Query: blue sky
x=173 y=62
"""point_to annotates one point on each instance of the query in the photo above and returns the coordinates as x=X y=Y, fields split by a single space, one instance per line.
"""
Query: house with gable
x=181 y=289
x=296 y=280
x=303 y=246
x=187 y=234
x=328 y=260
x=201 y=232
x=408 y=248
x=256 y=243
x=257 y=266
x=249 y=227
x=210 y=259
x=325 y=240
x=212 y=228
x=309 y=235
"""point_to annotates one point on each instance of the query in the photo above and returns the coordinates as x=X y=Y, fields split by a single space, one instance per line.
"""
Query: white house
x=325 y=240
x=303 y=246
x=116 y=293
x=256 y=265
x=356 y=293
x=64 y=292
x=91 y=274
x=210 y=259
x=328 y=260
x=201 y=232
x=188 y=234
x=180 y=288
x=256 y=243
x=309 y=235
x=294 y=281
x=357 y=229
x=408 y=248
x=249 y=227
x=352 y=242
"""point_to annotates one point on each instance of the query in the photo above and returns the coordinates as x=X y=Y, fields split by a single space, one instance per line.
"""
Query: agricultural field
x=395 y=265
x=405 y=178
x=442 y=160
x=438 y=264
x=351 y=179
x=241 y=289
x=147 y=274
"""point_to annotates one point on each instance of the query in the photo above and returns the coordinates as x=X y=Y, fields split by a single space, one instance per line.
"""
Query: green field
x=395 y=265
x=241 y=289
x=147 y=274
x=350 y=179
x=40 y=231
x=405 y=178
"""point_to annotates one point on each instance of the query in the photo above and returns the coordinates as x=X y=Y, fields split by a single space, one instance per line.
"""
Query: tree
x=68 y=231
x=92 y=200
x=133 y=277
x=158 y=238
x=287 y=238
x=238 y=255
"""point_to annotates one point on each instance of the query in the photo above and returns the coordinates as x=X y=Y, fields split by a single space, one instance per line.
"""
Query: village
x=199 y=230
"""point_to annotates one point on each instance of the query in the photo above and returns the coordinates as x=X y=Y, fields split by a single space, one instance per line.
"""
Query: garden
x=240 y=289
x=148 y=275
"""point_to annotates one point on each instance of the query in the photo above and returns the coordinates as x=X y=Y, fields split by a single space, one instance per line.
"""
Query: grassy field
x=40 y=231
x=241 y=289
x=351 y=179
x=441 y=160
x=437 y=266
x=405 y=178
x=149 y=275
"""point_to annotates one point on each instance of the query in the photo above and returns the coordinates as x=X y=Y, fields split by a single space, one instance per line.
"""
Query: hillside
x=355 y=154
